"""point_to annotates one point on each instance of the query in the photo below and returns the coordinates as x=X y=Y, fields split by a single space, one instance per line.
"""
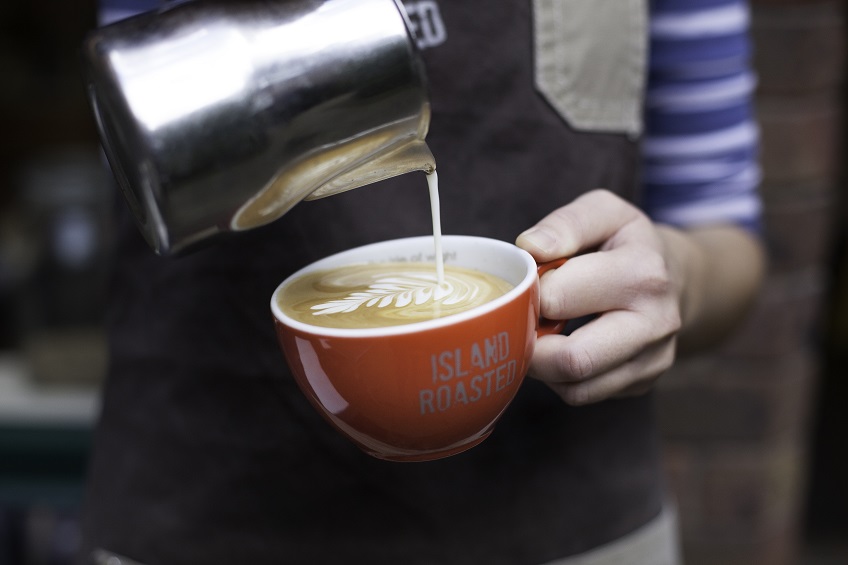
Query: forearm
x=720 y=269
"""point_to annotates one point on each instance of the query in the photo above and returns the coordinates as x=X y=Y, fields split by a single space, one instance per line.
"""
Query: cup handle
x=547 y=326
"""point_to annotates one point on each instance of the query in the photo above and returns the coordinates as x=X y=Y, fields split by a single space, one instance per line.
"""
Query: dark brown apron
x=207 y=453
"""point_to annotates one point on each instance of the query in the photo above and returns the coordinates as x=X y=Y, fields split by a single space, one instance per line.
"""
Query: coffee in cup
x=425 y=389
x=371 y=295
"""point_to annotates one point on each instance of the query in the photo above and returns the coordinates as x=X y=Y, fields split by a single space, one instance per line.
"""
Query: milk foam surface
x=386 y=294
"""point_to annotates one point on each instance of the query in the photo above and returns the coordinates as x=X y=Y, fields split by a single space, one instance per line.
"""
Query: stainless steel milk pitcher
x=221 y=116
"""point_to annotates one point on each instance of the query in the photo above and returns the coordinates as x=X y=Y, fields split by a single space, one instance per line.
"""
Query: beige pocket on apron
x=591 y=58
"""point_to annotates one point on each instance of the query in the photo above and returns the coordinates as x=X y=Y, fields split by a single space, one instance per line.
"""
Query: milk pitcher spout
x=221 y=116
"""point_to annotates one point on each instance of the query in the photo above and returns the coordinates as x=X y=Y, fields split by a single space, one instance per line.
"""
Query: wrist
x=686 y=261
x=719 y=270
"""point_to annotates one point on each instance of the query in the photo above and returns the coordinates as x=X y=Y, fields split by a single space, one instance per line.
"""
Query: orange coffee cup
x=429 y=389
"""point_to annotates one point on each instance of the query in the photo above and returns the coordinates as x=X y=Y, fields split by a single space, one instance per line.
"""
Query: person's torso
x=208 y=452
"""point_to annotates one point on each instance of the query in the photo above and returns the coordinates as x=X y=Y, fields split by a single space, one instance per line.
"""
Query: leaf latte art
x=386 y=294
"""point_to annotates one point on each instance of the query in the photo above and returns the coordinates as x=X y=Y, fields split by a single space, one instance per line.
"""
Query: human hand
x=621 y=269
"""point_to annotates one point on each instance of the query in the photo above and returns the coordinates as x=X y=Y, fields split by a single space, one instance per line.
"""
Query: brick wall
x=736 y=422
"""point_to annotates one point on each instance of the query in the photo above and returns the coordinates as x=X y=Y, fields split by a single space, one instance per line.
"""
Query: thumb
x=587 y=222
x=545 y=243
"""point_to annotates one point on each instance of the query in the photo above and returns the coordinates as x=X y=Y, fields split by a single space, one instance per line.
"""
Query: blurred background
x=755 y=433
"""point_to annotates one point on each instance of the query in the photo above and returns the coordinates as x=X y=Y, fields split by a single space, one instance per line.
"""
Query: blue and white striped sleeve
x=701 y=140
x=110 y=11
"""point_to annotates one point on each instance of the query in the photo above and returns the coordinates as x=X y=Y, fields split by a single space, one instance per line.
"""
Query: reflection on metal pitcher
x=222 y=116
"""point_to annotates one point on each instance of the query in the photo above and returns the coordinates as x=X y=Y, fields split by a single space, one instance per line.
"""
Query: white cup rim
x=448 y=242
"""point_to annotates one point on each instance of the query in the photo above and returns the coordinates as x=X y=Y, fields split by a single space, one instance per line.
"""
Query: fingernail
x=540 y=238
